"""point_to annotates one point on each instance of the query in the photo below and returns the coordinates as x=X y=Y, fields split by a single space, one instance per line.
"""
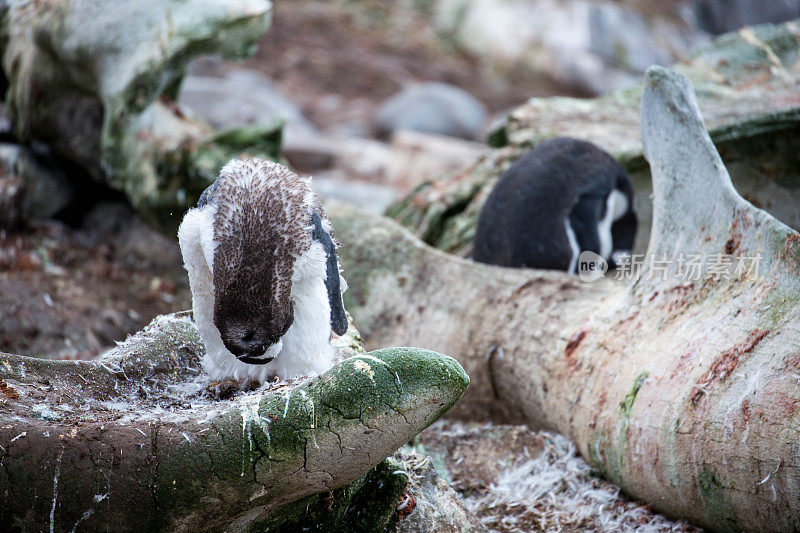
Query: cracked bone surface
x=132 y=440
x=686 y=393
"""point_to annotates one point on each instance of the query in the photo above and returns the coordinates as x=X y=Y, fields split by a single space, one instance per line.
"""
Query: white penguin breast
x=573 y=246
x=305 y=347
x=306 y=344
x=616 y=206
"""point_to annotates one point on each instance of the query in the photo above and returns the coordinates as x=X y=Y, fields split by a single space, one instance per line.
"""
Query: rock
x=432 y=108
x=721 y=16
x=206 y=65
x=12 y=193
x=42 y=189
x=291 y=454
x=746 y=88
x=115 y=224
x=358 y=157
x=624 y=38
x=409 y=159
x=594 y=46
x=310 y=152
x=420 y=157
x=5 y=120
x=94 y=82
x=243 y=97
x=429 y=504
x=363 y=158
x=335 y=185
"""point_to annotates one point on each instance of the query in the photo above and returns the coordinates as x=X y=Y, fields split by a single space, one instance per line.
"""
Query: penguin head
x=260 y=219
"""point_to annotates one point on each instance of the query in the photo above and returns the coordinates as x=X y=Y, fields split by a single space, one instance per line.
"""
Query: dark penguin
x=562 y=198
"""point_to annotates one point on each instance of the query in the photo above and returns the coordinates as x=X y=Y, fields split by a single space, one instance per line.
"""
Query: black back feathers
x=563 y=197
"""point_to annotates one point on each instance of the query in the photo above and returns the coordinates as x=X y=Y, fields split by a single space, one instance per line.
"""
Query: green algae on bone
x=616 y=463
x=408 y=385
x=718 y=506
x=626 y=404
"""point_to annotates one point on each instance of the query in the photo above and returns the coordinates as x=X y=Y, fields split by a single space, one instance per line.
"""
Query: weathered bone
x=685 y=393
x=132 y=441
x=95 y=82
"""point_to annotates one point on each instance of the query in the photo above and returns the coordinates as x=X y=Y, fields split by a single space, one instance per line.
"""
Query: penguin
x=562 y=198
x=264 y=275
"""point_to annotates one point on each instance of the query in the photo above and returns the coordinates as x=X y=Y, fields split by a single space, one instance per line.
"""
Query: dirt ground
x=71 y=293
x=340 y=60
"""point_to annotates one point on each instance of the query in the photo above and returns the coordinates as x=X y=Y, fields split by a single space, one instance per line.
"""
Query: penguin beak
x=261 y=356
x=253 y=352
x=254 y=360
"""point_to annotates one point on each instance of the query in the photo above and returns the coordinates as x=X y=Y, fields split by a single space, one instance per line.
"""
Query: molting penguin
x=562 y=198
x=264 y=275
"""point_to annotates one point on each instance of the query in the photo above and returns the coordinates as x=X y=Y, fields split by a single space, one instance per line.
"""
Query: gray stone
x=206 y=65
x=364 y=159
x=357 y=157
x=336 y=185
x=309 y=152
x=242 y=97
x=43 y=189
x=432 y=108
x=135 y=244
x=419 y=157
x=623 y=37
x=721 y=16
x=594 y=46
x=12 y=191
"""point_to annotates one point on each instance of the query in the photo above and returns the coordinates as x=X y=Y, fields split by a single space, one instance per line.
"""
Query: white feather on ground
x=517 y=480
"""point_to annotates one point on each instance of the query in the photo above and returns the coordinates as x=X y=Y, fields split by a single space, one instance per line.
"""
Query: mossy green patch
x=365 y=505
x=626 y=404
x=615 y=464
x=498 y=137
x=719 y=509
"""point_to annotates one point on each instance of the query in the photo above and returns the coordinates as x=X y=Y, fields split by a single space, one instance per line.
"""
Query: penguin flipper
x=332 y=284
